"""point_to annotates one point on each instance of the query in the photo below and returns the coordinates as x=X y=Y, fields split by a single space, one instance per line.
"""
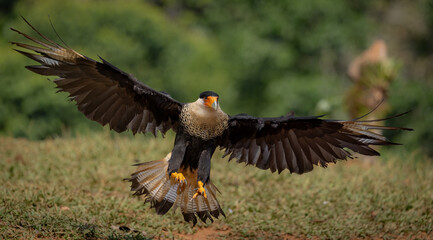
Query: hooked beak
x=211 y=102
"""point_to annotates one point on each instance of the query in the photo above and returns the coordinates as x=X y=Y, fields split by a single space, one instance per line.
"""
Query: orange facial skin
x=211 y=102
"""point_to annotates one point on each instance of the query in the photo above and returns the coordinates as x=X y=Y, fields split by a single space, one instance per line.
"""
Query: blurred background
x=264 y=58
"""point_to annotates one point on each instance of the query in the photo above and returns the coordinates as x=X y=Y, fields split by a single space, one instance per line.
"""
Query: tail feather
x=163 y=193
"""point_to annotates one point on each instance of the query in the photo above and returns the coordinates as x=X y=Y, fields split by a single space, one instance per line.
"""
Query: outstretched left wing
x=103 y=92
x=298 y=143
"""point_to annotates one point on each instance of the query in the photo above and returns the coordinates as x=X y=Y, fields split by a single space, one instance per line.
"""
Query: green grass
x=72 y=188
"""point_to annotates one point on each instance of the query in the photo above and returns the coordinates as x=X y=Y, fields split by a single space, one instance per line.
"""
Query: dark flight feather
x=298 y=143
x=101 y=91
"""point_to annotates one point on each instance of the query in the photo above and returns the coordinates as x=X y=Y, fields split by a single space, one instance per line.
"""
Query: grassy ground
x=73 y=188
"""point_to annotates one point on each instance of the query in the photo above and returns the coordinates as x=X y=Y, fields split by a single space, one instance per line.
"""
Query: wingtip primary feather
x=13 y=29
x=40 y=34
x=47 y=45
x=55 y=31
x=381 y=119
x=380 y=103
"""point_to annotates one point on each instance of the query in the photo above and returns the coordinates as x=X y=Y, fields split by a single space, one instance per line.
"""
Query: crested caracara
x=108 y=95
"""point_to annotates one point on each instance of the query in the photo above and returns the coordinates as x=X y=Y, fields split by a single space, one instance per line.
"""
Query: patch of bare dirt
x=225 y=232
x=208 y=233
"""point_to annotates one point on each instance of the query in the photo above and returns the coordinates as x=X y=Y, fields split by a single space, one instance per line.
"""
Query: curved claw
x=178 y=177
x=200 y=190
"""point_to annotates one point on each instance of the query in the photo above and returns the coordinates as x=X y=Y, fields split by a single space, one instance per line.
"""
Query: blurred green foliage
x=264 y=58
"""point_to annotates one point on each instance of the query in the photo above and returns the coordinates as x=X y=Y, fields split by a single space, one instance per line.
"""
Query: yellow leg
x=200 y=190
x=178 y=177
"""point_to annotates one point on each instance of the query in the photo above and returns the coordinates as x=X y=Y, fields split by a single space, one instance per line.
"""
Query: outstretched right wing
x=101 y=91
x=299 y=143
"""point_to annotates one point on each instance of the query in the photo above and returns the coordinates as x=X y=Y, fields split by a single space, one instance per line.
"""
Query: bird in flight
x=108 y=95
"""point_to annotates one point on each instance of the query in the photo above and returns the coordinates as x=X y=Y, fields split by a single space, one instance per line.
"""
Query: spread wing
x=298 y=143
x=101 y=91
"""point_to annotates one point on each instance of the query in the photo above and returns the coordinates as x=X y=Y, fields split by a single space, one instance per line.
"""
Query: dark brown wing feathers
x=103 y=92
x=298 y=143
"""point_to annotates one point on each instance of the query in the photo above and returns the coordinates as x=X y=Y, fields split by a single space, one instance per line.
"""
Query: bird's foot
x=200 y=190
x=178 y=177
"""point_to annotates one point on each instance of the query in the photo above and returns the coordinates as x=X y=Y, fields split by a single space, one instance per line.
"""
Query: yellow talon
x=200 y=190
x=178 y=177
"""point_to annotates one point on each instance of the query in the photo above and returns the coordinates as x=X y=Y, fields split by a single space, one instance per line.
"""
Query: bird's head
x=210 y=99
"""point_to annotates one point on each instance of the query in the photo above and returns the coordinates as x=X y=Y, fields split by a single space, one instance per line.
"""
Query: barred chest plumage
x=202 y=122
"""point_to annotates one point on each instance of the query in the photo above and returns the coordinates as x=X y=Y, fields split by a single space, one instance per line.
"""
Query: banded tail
x=152 y=180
